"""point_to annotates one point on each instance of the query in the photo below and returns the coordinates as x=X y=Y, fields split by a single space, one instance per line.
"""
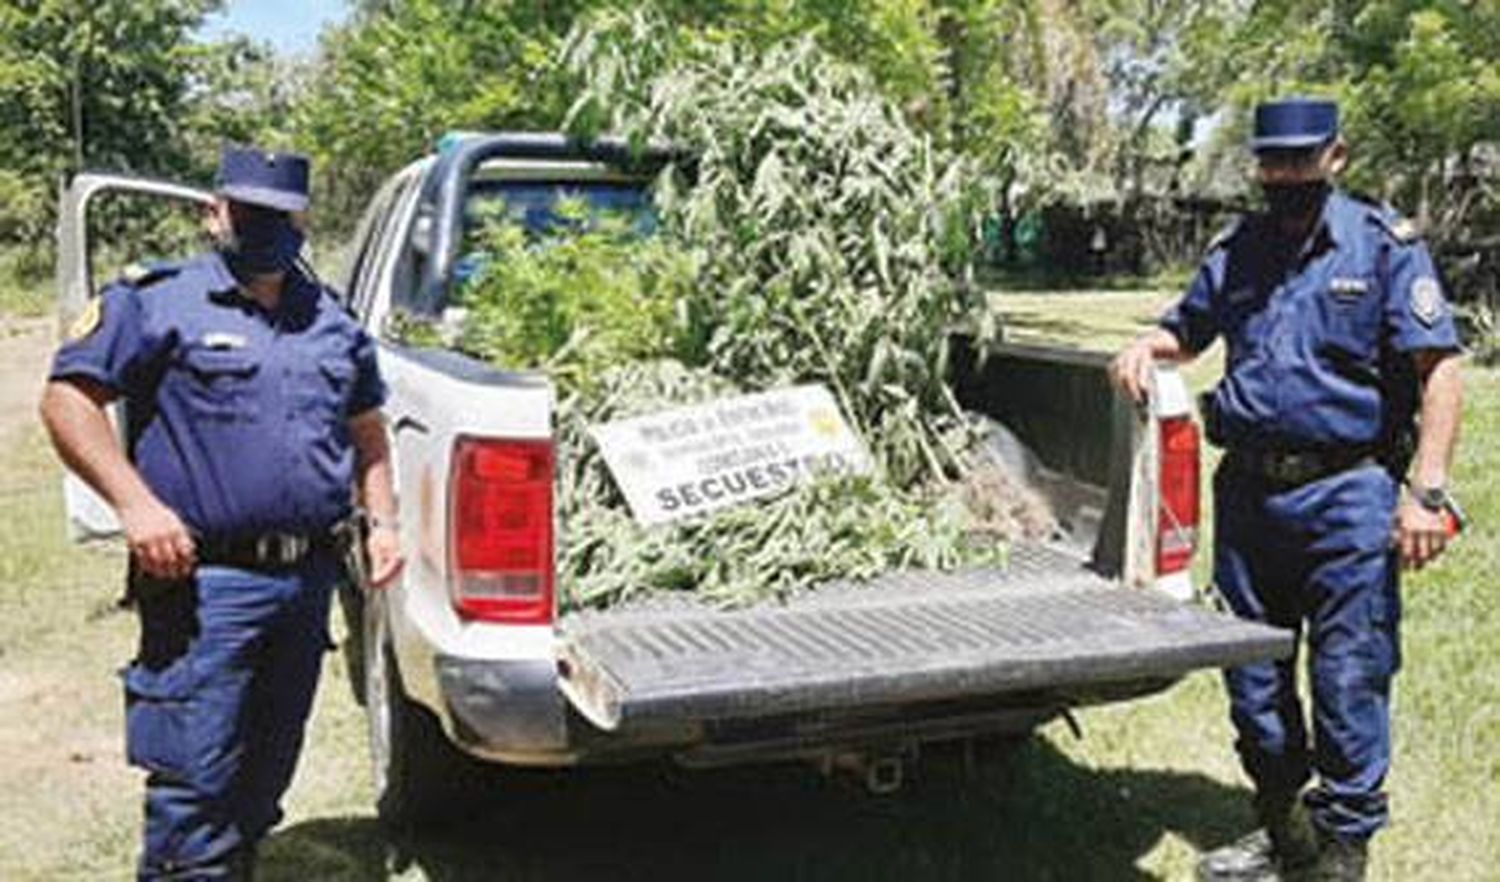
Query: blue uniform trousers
x=216 y=704
x=1318 y=554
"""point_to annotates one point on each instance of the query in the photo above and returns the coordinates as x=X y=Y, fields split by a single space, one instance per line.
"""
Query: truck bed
x=1046 y=622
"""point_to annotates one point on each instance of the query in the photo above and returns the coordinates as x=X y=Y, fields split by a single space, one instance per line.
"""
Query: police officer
x=253 y=419
x=1337 y=336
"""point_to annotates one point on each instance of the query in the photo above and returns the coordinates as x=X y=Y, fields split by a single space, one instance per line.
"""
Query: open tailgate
x=1046 y=622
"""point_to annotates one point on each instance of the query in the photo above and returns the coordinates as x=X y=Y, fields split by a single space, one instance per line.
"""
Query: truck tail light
x=500 y=531
x=1177 y=519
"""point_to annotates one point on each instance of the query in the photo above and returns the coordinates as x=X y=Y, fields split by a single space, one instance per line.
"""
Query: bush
x=25 y=281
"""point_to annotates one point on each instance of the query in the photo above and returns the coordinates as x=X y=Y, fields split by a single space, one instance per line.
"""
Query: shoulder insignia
x=88 y=320
x=1404 y=229
x=138 y=275
x=1223 y=237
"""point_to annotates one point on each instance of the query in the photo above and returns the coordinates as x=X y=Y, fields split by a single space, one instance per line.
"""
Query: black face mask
x=261 y=243
x=1295 y=201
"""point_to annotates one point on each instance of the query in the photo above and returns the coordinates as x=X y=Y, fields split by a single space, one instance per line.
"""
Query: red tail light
x=1177 y=520
x=500 y=530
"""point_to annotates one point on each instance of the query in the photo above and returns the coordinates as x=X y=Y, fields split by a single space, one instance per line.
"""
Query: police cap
x=258 y=177
x=1294 y=123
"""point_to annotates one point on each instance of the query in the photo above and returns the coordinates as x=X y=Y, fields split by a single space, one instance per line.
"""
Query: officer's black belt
x=274 y=550
x=1293 y=468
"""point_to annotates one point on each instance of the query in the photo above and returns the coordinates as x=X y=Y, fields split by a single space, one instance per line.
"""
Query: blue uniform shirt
x=238 y=418
x=1318 y=339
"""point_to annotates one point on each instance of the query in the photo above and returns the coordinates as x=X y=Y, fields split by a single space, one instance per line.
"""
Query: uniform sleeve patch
x=1405 y=229
x=1426 y=300
x=87 y=321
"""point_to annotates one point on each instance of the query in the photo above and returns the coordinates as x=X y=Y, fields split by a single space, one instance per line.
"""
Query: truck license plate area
x=1043 y=623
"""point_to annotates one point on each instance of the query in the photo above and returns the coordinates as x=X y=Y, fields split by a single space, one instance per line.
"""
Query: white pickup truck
x=468 y=653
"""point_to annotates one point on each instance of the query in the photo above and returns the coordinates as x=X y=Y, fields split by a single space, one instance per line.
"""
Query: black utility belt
x=275 y=550
x=1291 y=468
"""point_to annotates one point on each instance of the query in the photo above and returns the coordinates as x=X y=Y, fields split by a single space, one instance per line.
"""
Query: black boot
x=1282 y=848
x=242 y=867
x=1340 y=860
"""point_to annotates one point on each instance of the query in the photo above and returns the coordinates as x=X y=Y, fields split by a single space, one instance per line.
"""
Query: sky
x=291 y=26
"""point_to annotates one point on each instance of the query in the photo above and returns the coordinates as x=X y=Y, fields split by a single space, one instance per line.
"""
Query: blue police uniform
x=1319 y=340
x=238 y=421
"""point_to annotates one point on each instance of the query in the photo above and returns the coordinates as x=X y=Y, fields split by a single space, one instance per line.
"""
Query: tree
x=1423 y=105
x=1418 y=80
x=89 y=84
x=242 y=92
x=399 y=75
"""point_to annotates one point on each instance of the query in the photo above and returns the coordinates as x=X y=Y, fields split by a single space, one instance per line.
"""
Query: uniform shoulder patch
x=138 y=275
x=87 y=321
x=1402 y=229
x=1225 y=235
x=1426 y=300
x=1405 y=229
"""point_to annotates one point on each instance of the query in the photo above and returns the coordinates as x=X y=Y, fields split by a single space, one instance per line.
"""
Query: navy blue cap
x=272 y=180
x=1292 y=123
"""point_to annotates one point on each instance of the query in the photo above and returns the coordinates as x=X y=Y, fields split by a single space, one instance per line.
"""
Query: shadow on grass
x=1037 y=817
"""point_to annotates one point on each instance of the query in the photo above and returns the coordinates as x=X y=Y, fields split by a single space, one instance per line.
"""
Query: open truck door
x=89 y=516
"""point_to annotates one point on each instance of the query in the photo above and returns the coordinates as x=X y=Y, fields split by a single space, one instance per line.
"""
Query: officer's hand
x=1131 y=369
x=1420 y=534
x=386 y=561
x=158 y=540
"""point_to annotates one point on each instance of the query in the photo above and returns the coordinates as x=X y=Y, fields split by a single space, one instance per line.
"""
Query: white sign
x=680 y=463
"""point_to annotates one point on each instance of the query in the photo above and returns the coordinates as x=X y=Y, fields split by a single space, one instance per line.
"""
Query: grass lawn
x=22 y=292
x=1149 y=784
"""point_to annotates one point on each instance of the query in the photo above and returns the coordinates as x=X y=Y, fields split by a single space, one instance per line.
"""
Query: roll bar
x=443 y=191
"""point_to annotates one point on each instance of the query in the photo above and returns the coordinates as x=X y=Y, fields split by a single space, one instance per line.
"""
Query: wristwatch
x=1430 y=498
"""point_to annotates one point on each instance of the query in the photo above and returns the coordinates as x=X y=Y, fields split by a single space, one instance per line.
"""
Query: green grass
x=23 y=284
x=1150 y=784
x=69 y=803
x=62 y=776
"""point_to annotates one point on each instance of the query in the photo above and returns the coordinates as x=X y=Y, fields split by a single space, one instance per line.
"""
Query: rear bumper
x=513 y=712
x=505 y=710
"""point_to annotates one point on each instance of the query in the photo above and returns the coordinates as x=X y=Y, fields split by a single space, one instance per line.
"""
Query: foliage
x=1152 y=54
x=821 y=240
x=837 y=528
x=574 y=300
x=829 y=232
x=1419 y=82
x=956 y=68
x=399 y=75
x=242 y=92
x=100 y=84
x=21 y=292
x=121 y=86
